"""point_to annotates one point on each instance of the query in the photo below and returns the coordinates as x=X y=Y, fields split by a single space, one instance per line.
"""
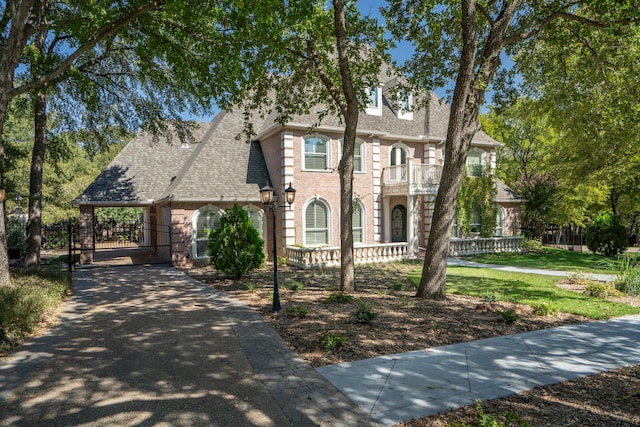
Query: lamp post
x=269 y=198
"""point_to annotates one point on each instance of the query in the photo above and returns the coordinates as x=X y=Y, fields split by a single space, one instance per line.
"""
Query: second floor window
x=316 y=153
x=474 y=163
x=358 y=155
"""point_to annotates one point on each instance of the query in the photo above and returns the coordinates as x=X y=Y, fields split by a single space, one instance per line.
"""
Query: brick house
x=399 y=154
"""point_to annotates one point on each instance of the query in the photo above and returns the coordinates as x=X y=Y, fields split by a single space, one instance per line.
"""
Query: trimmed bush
x=235 y=248
x=607 y=235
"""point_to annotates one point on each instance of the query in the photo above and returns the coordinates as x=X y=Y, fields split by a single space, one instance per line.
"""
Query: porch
x=308 y=258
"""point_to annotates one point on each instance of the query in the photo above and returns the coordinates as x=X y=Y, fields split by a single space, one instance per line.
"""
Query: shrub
x=626 y=268
x=235 y=248
x=597 y=290
x=338 y=297
x=607 y=235
x=297 y=311
x=296 y=286
x=397 y=285
x=329 y=340
x=365 y=314
x=544 y=309
x=509 y=317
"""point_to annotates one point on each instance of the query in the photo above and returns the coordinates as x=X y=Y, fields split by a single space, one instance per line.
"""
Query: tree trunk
x=433 y=281
x=350 y=113
x=34 y=224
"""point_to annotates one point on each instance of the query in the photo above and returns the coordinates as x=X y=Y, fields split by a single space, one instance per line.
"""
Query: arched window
x=204 y=220
x=357 y=223
x=398 y=155
x=316 y=224
x=256 y=215
x=316 y=152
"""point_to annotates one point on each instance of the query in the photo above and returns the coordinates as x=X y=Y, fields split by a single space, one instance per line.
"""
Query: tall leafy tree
x=129 y=64
x=463 y=42
x=324 y=59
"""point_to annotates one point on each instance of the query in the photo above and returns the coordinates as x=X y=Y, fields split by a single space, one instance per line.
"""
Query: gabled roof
x=222 y=168
x=428 y=124
x=218 y=167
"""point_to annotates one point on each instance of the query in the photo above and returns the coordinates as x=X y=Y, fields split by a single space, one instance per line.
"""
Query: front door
x=399 y=224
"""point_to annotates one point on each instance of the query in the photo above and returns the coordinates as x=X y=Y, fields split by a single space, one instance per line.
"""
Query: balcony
x=411 y=179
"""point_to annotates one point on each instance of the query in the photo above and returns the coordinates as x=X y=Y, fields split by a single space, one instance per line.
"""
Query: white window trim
x=304 y=222
x=194 y=225
x=402 y=146
x=304 y=157
x=399 y=111
x=363 y=154
x=373 y=110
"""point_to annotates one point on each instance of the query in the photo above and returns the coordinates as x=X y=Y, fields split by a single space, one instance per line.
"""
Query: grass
x=547 y=258
x=25 y=303
x=529 y=289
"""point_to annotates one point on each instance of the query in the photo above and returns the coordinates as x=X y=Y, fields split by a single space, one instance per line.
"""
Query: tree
x=463 y=42
x=236 y=247
x=323 y=60
x=606 y=235
x=128 y=65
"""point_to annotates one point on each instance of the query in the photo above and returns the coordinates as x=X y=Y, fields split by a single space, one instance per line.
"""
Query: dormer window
x=405 y=105
x=374 y=101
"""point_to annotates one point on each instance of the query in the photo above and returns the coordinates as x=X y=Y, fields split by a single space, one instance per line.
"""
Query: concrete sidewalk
x=148 y=345
x=400 y=387
x=590 y=276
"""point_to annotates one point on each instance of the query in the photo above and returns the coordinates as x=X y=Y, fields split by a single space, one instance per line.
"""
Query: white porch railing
x=327 y=256
x=462 y=247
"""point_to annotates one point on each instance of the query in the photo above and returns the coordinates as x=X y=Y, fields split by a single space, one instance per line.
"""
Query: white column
x=288 y=214
x=377 y=191
x=386 y=215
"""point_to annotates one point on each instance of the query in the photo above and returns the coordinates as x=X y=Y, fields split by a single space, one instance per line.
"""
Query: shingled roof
x=218 y=167
x=222 y=168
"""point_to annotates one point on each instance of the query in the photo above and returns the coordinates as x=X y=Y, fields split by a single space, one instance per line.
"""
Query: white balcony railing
x=419 y=178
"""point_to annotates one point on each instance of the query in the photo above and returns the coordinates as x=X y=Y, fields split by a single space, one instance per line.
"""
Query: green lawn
x=530 y=289
x=547 y=258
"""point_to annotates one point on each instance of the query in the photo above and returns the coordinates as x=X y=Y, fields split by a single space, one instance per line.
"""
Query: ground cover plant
x=27 y=304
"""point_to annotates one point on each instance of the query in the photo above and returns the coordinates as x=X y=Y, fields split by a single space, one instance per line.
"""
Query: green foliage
x=541 y=194
x=601 y=290
x=477 y=196
x=296 y=286
x=338 y=298
x=544 y=308
x=329 y=340
x=529 y=289
x=627 y=271
x=511 y=419
x=297 y=311
x=365 y=314
x=26 y=300
x=236 y=247
x=606 y=235
x=509 y=317
x=490 y=297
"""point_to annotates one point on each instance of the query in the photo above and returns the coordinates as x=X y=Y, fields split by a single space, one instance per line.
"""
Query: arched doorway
x=399 y=224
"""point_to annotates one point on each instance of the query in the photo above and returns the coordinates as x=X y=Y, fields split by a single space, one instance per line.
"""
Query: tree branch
x=104 y=32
